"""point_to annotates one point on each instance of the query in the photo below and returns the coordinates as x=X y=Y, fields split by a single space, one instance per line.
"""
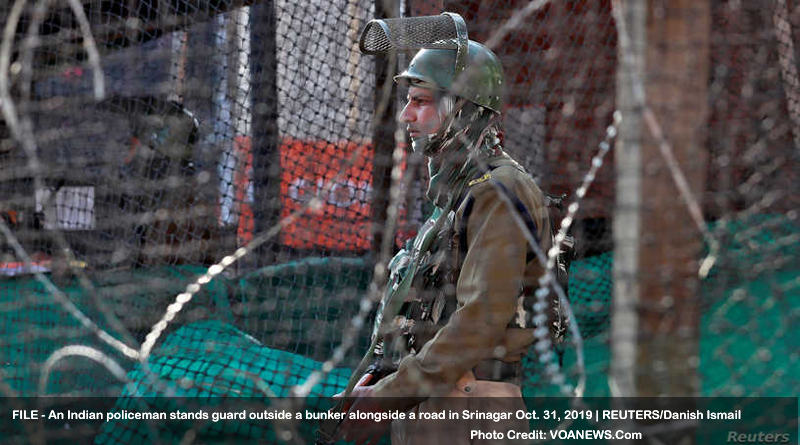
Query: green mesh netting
x=224 y=122
x=225 y=346
x=207 y=360
x=37 y=325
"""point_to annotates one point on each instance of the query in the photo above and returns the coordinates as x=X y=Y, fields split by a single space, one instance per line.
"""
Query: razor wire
x=22 y=130
x=299 y=215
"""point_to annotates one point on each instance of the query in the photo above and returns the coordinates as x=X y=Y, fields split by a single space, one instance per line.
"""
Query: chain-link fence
x=196 y=193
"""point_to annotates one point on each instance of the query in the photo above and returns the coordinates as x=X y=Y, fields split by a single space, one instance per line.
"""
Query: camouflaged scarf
x=453 y=157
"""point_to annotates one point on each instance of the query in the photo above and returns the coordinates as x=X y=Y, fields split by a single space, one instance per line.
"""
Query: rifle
x=328 y=427
x=394 y=301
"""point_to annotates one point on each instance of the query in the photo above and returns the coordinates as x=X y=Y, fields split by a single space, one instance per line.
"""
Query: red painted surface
x=341 y=174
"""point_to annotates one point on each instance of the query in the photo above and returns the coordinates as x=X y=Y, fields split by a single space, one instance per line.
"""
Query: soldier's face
x=421 y=113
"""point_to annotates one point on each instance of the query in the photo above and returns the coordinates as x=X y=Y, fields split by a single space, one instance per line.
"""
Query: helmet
x=447 y=60
x=482 y=81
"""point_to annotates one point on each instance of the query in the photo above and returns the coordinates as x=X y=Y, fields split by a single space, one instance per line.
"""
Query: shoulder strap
x=519 y=207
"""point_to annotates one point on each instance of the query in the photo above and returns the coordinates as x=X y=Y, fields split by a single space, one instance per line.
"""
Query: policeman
x=462 y=326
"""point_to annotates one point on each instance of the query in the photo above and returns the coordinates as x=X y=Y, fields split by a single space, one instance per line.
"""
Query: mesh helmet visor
x=447 y=60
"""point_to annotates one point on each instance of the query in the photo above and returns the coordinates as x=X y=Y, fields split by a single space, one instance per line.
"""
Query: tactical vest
x=431 y=299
